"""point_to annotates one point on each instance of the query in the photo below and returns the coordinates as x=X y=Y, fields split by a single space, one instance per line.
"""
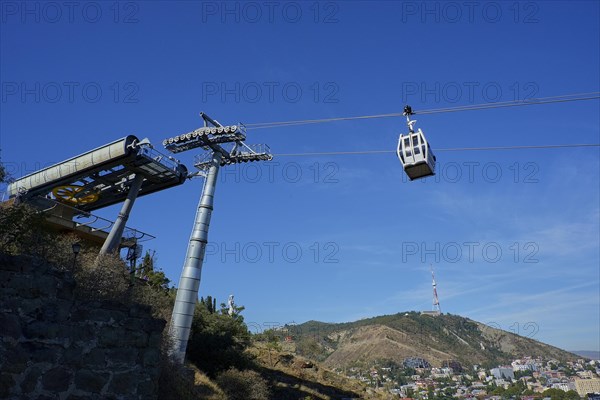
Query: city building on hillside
x=585 y=374
x=503 y=373
x=536 y=387
x=528 y=397
x=524 y=365
x=416 y=362
x=502 y=383
x=454 y=365
x=564 y=386
x=585 y=386
x=405 y=388
x=441 y=372
x=424 y=383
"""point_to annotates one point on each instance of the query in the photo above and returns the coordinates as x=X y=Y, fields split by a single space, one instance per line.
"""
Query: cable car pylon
x=414 y=152
x=209 y=137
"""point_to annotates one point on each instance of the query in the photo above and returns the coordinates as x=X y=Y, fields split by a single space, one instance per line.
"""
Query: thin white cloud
x=562 y=295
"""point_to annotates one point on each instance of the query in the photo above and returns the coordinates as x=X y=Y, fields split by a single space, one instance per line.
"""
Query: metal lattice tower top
x=210 y=138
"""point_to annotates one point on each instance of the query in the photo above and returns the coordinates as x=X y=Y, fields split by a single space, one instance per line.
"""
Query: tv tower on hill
x=436 y=301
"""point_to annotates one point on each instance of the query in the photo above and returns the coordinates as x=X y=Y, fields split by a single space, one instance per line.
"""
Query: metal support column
x=187 y=291
x=208 y=138
x=111 y=244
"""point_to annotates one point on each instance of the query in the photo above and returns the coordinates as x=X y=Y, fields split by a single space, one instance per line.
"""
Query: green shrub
x=20 y=230
x=161 y=301
x=152 y=288
x=217 y=341
x=102 y=278
x=310 y=348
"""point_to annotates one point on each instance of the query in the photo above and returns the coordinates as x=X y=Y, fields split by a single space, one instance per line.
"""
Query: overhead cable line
x=485 y=106
x=365 y=152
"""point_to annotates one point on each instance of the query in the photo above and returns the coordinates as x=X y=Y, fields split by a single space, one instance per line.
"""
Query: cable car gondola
x=414 y=152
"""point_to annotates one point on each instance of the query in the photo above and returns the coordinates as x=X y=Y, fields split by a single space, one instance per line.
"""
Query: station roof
x=100 y=177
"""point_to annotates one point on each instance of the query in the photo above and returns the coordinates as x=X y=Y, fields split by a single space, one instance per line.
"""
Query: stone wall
x=54 y=346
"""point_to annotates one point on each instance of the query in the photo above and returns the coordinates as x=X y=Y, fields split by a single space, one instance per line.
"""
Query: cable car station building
x=118 y=172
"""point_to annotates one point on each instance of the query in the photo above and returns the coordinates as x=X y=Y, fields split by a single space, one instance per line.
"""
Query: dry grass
x=243 y=385
x=291 y=381
x=102 y=278
x=187 y=383
x=206 y=388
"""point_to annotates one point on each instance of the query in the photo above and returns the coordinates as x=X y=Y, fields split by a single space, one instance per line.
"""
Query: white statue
x=231 y=306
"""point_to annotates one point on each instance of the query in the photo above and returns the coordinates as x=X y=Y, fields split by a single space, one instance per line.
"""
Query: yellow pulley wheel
x=70 y=194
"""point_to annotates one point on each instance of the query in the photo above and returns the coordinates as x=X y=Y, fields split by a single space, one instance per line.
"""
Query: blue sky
x=513 y=235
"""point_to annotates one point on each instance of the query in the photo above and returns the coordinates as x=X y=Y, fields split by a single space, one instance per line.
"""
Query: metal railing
x=165 y=160
x=81 y=218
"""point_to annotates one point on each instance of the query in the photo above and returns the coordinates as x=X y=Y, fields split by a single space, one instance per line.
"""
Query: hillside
x=591 y=354
x=295 y=377
x=396 y=337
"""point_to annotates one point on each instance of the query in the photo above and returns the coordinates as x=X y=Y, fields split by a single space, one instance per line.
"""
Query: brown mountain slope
x=396 y=337
x=379 y=342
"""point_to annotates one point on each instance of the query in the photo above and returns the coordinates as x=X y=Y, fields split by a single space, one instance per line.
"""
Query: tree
x=466 y=381
x=444 y=395
x=521 y=374
x=515 y=389
x=3 y=175
x=217 y=342
x=572 y=395
x=430 y=394
x=148 y=272
x=273 y=345
x=147 y=265
x=589 y=367
x=236 y=310
x=557 y=394
x=499 y=391
x=209 y=303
